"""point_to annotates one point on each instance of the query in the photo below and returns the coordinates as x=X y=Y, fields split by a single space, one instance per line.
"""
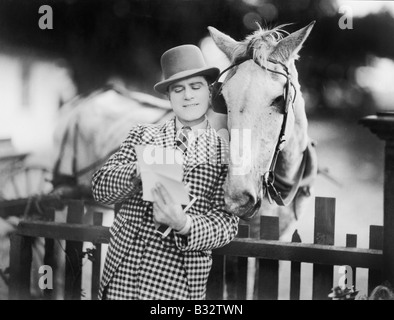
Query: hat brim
x=210 y=73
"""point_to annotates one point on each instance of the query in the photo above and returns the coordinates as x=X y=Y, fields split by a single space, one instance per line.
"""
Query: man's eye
x=196 y=87
x=178 y=90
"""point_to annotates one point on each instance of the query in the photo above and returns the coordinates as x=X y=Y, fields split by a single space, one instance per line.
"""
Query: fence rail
x=229 y=274
x=301 y=252
x=239 y=247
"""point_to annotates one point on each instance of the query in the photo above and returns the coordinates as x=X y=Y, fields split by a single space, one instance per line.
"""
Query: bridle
x=269 y=177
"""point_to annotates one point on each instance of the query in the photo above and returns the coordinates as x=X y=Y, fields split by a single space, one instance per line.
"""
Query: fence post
x=323 y=275
x=236 y=271
x=382 y=125
x=49 y=255
x=268 y=270
x=97 y=221
x=20 y=265
x=295 y=272
x=375 y=242
x=72 y=290
x=243 y=232
x=215 y=284
x=351 y=242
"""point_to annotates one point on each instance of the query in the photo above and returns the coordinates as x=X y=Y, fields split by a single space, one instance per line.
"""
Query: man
x=140 y=263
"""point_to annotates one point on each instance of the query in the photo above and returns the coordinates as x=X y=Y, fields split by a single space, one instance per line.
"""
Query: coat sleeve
x=214 y=229
x=117 y=180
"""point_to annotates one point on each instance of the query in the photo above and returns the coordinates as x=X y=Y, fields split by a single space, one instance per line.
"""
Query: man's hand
x=165 y=211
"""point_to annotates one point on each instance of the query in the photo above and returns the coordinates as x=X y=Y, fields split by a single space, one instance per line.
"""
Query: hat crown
x=183 y=62
x=180 y=59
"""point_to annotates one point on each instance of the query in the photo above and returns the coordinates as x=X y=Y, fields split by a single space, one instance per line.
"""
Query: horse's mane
x=259 y=45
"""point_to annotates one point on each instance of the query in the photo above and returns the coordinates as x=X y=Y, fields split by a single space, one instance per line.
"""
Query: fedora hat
x=183 y=62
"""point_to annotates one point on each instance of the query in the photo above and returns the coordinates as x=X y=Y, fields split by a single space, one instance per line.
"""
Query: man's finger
x=156 y=210
x=158 y=203
x=157 y=197
x=164 y=193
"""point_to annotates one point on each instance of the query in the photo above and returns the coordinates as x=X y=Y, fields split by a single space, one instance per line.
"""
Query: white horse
x=266 y=112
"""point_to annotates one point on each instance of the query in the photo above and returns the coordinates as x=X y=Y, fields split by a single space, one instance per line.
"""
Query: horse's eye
x=278 y=102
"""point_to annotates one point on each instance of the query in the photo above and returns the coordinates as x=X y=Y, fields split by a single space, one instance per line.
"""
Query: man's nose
x=188 y=94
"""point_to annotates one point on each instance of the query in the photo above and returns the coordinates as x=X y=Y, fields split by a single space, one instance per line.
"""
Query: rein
x=268 y=178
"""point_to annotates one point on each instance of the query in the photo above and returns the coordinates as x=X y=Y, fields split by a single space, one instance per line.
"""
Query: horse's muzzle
x=245 y=212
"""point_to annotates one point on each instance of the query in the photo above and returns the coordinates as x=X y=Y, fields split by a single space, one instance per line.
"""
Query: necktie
x=182 y=139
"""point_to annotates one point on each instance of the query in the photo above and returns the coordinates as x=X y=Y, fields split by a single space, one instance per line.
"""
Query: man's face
x=190 y=99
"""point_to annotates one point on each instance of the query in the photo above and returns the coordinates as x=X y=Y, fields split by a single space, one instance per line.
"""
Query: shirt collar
x=197 y=129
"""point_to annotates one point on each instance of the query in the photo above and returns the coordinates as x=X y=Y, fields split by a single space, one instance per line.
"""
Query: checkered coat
x=139 y=263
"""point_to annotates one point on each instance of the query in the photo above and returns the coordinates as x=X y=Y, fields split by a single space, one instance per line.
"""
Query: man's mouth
x=191 y=105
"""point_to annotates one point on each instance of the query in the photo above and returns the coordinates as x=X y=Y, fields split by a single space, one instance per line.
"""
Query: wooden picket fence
x=229 y=274
x=75 y=234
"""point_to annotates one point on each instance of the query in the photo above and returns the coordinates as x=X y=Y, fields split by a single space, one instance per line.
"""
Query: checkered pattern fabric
x=139 y=263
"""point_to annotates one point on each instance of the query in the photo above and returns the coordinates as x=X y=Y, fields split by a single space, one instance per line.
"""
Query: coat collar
x=165 y=136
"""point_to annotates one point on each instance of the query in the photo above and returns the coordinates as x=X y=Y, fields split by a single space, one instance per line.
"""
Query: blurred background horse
x=91 y=129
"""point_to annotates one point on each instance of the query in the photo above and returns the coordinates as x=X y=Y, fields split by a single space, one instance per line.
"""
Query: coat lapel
x=202 y=150
x=164 y=136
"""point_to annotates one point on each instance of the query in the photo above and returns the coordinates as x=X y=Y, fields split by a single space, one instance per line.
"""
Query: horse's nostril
x=244 y=199
x=250 y=208
x=251 y=198
x=243 y=204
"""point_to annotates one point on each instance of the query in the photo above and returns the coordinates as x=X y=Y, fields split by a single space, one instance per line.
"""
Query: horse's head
x=259 y=86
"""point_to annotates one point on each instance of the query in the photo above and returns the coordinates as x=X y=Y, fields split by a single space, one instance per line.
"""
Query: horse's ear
x=289 y=47
x=223 y=41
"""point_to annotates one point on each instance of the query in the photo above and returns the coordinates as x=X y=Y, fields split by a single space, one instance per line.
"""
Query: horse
x=266 y=115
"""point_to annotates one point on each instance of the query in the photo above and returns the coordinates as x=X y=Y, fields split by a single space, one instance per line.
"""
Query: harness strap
x=61 y=152
x=95 y=164
x=279 y=143
x=277 y=195
x=75 y=148
x=56 y=168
